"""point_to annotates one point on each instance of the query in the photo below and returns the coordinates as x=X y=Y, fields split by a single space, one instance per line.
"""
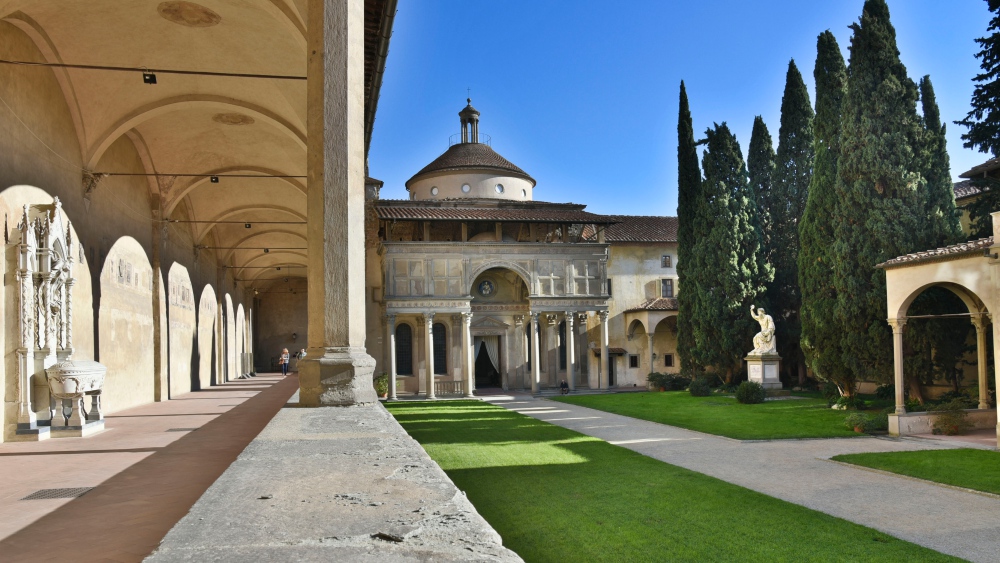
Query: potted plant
x=382 y=385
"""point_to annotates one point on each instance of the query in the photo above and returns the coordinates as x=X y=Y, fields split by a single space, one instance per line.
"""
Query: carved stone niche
x=48 y=381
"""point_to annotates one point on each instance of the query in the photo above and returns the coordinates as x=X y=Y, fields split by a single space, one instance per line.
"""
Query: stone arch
x=202 y=181
x=154 y=109
x=632 y=326
x=971 y=300
x=229 y=326
x=241 y=340
x=207 y=376
x=182 y=328
x=500 y=264
x=235 y=246
x=125 y=322
x=236 y=211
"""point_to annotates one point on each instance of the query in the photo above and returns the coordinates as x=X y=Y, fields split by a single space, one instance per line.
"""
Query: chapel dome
x=470 y=169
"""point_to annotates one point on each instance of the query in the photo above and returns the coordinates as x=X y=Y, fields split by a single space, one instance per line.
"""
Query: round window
x=434 y=190
x=499 y=188
x=466 y=188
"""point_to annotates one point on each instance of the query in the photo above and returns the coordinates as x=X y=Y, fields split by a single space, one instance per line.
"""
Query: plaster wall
x=283 y=313
x=207 y=312
x=635 y=271
x=183 y=327
x=481 y=185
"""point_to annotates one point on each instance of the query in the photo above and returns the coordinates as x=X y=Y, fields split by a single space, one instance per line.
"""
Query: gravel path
x=952 y=521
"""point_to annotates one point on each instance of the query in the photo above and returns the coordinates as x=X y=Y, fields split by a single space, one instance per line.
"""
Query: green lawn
x=724 y=416
x=968 y=468
x=556 y=495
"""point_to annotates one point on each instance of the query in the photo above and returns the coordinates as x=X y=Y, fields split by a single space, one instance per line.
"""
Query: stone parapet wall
x=923 y=422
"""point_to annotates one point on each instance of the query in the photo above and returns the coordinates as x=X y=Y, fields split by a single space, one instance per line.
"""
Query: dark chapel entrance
x=487 y=351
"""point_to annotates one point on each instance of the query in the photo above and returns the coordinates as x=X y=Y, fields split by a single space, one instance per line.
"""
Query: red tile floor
x=149 y=466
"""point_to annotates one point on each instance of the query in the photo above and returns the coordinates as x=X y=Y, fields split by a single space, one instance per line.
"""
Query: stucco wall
x=449 y=185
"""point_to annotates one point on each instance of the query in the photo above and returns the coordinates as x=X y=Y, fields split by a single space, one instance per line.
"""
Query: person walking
x=283 y=360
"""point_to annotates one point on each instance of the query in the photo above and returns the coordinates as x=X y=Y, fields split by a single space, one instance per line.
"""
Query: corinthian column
x=605 y=358
x=390 y=339
x=534 y=353
x=429 y=351
x=337 y=370
x=467 y=363
x=897 y=357
x=570 y=352
x=980 y=321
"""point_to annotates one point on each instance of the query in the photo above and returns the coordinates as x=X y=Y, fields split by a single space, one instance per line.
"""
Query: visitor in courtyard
x=283 y=360
x=563 y=388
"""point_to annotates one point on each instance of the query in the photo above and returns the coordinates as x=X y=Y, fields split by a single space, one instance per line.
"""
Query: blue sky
x=582 y=95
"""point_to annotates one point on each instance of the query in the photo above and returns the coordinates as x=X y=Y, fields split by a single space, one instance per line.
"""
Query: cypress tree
x=879 y=184
x=983 y=123
x=760 y=165
x=943 y=224
x=689 y=228
x=792 y=173
x=821 y=335
x=732 y=273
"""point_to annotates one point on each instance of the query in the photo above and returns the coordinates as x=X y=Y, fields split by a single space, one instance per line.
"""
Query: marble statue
x=763 y=341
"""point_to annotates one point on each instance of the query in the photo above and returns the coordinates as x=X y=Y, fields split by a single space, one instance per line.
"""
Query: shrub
x=382 y=384
x=953 y=420
x=831 y=392
x=856 y=403
x=868 y=422
x=750 y=393
x=960 y=397
x=885 y=392
x=700 y=388
x=657 y=380
x=855 y=420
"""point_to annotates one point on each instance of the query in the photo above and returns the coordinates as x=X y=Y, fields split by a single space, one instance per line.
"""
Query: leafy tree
x=732 y=273
x=983 y=123
x=760 y=165
x=790 y=189
x=943 y=224
x=879 y=183
x=820 y=333
x=689 y=230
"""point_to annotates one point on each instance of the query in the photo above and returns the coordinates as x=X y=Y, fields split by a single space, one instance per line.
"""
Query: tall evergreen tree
x=760 y=165
x=821 y=335
x=943 y=226
x=792 y=173
x=732 y=274
x=689 y=230
x=879 y=183
x=983 y=122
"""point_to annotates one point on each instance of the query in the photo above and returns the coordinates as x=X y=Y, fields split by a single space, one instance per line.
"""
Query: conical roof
x=471 y=157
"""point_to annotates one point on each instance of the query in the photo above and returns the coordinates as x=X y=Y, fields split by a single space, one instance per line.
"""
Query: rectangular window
x=666 y=288
x=665 y=261
x=633 y=361
x=668 y=360
x=609 y=286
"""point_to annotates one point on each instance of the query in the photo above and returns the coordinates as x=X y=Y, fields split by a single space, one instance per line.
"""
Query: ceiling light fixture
x=267 y=250
x=148 y=77
x=213 y=179
x=246 y=225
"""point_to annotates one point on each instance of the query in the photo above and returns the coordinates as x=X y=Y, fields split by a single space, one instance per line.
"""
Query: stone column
x=467 y=362
x=160 y=364
x=534 y=353
x=652 y=353
x=552 y=349
x=570 y=353
x=581 y=321
x=337 y=370
x=979 y=321
x=897 y=358
x=520 y=353
x=390 y=340
x=605 y=358
x=429 y=351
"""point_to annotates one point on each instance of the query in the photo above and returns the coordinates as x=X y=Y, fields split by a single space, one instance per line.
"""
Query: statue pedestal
x=763 y=369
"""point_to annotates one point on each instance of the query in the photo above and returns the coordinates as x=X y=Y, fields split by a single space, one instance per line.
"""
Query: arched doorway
x=486 y=350
x=499 y=303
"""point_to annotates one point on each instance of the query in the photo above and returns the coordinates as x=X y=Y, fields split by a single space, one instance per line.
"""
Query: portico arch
x=501 y=265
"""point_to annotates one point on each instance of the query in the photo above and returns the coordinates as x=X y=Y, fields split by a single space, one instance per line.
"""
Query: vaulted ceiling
x=248 y=131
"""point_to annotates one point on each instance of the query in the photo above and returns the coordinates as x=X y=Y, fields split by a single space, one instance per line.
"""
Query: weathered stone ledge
x=333 y=484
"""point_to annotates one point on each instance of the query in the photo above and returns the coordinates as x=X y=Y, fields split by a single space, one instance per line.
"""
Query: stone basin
x=71 y=379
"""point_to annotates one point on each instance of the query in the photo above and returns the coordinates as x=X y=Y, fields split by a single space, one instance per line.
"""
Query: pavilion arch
x=292 y=267
x=503 y=265
x=182 y=329
x=968 y=297
x=201 y=181
x=207 y=374
x=236 y=211
x=633 y=326
x=125 y=322
x=155 y=109
x=271 y=255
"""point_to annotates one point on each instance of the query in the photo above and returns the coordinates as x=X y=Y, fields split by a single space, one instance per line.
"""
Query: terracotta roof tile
x=984 y=168
x=658 y=304
x=946 y=253
x=966 y=189
x=487 y=210
x=612 y=351
x=471 y=156
x=638 y=228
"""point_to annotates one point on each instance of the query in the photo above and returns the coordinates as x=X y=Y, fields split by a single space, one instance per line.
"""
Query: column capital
x=534 y=316
x=980 y=320
x=603 y=315
x=390 y=318
x=518 y=320
x=427 y=318
x=551 y=319
x=897 y=324
x=467 y=318
x=569 y=319
x=582 y=318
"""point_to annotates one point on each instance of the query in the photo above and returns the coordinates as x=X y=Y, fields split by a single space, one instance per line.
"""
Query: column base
x=341 y=377
x=31 y=432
